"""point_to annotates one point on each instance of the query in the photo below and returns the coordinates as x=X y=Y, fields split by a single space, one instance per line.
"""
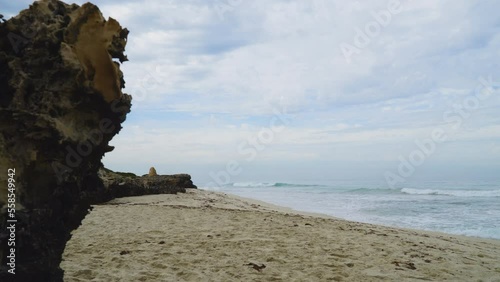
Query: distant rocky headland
x=119 y=184
x=61 y=102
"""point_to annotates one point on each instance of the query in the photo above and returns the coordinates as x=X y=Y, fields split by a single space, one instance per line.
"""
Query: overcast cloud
x=342 y=89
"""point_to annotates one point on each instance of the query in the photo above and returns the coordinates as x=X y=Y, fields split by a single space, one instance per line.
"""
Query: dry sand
x=208 y=236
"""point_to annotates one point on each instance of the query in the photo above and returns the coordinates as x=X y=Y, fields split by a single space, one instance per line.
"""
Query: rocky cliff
x=127 y=184
x=61 y=102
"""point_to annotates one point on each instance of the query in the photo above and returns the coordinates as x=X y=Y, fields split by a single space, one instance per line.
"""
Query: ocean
x=464 y=208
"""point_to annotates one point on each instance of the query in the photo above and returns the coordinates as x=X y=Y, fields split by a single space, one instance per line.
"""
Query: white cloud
x=205 y=79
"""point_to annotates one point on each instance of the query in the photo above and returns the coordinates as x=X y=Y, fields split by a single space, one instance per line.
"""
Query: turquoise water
x=465 y=208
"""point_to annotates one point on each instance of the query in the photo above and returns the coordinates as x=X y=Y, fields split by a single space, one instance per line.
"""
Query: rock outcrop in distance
x=61 y=102
x=152 y=172
x=119 y=184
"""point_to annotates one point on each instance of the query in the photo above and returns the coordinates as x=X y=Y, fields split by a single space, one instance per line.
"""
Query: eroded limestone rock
x=152 y=172
x=119 y=184
x=60 y=104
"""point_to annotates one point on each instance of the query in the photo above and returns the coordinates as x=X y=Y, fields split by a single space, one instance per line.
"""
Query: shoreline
x=323 y=215
x=208 y=235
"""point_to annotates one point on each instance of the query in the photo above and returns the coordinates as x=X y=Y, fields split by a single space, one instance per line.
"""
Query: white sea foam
x=457 y=193
x=470 y=208
x=272 y=184
x=254 y=184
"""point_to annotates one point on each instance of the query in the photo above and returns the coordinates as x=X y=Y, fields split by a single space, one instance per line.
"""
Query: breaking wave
x=457 y=193
x=271 y=184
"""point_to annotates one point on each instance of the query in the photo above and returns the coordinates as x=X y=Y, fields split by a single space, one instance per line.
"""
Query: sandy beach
x=211 y=236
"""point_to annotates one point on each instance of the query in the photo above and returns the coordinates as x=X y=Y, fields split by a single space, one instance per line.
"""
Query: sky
x=296 y=90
